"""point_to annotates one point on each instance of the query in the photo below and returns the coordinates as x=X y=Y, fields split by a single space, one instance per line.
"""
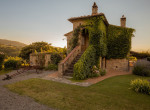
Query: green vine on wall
x=118 y=41
x=105 y=41
x=97 y=47
x=74 y=41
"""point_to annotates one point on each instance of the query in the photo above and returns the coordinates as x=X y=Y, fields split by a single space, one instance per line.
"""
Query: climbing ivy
x=97 y=47
x=105 y=41
x=118 y=41
x=74 y=41
x=82 y=69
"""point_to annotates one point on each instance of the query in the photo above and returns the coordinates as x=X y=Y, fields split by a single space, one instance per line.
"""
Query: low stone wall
x=117 y=64
x=35 y=59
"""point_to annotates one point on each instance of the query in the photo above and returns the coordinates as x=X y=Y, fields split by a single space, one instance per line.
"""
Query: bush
x=83 y=68
x=51 y=67
x=55 y=58
x=148 y=59
x=97 y=72
x=142 y=86
x=12 y=63
x=2 y=56
x=141 y=70
x=102 y=72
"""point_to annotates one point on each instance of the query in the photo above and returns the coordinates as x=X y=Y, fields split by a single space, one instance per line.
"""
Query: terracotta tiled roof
x=68 y=33
x=88 y=16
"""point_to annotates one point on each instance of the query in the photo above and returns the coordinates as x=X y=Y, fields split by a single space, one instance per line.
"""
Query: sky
x=30 y=21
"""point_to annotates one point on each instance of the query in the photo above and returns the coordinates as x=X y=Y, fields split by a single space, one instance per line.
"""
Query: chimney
x=123 y=21
x=94 y=9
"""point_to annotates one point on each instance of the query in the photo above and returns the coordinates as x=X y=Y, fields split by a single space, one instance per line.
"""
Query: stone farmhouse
x=67 y=65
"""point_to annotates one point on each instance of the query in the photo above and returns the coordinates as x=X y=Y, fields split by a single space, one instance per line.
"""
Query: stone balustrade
x=64 y=65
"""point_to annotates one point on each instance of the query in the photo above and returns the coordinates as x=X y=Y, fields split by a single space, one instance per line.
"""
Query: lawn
x=111 y=94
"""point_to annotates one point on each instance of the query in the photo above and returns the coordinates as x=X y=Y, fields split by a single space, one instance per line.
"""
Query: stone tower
x=94 y=9
x=123 y=21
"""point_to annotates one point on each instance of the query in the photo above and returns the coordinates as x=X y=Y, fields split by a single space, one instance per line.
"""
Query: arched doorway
x=85 y=40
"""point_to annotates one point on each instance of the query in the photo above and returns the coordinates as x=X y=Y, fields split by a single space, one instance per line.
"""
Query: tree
x=38 y=46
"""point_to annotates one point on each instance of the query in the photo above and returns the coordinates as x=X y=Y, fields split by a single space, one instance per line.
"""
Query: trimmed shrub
x=12 y=63
x=52 y=67
x=2 y=56
x=141 y=85
x=141 y=70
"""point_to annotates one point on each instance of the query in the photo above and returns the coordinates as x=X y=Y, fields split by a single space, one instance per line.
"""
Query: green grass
x=110 y=94
x=4 y=71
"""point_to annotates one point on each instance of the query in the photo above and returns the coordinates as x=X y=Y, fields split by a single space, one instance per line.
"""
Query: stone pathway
x=13 y=101
x=66 y=80
x=55 y=77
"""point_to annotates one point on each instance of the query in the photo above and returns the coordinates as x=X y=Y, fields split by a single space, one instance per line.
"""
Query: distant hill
x=10 y=48
x=11 y=43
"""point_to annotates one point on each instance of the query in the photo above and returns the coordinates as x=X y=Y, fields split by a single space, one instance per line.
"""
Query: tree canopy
x=39 y=47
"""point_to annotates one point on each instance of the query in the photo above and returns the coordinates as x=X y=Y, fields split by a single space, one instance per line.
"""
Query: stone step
x=68 y=74
x=68 y=77
x=71 y=67
x=69 y=71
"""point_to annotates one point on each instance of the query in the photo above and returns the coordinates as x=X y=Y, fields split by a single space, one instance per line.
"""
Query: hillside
x=12 y=43
x=10 y=48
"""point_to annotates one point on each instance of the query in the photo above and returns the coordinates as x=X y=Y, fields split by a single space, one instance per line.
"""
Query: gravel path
x=13 y=101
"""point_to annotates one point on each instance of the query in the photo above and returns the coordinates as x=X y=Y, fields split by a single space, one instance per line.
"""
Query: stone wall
x=117 y=64
x=78 y=23
x=35 y=59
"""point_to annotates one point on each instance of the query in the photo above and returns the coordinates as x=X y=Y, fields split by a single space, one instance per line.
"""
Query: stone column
x=100 y=62
x=104 y=63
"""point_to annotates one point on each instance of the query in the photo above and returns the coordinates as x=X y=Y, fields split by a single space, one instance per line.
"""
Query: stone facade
x=33 y=60
x=40 y=59
x=117 y=64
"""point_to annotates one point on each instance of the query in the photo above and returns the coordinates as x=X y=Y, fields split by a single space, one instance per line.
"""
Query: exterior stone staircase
x=69 y=71
x=65 y=67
